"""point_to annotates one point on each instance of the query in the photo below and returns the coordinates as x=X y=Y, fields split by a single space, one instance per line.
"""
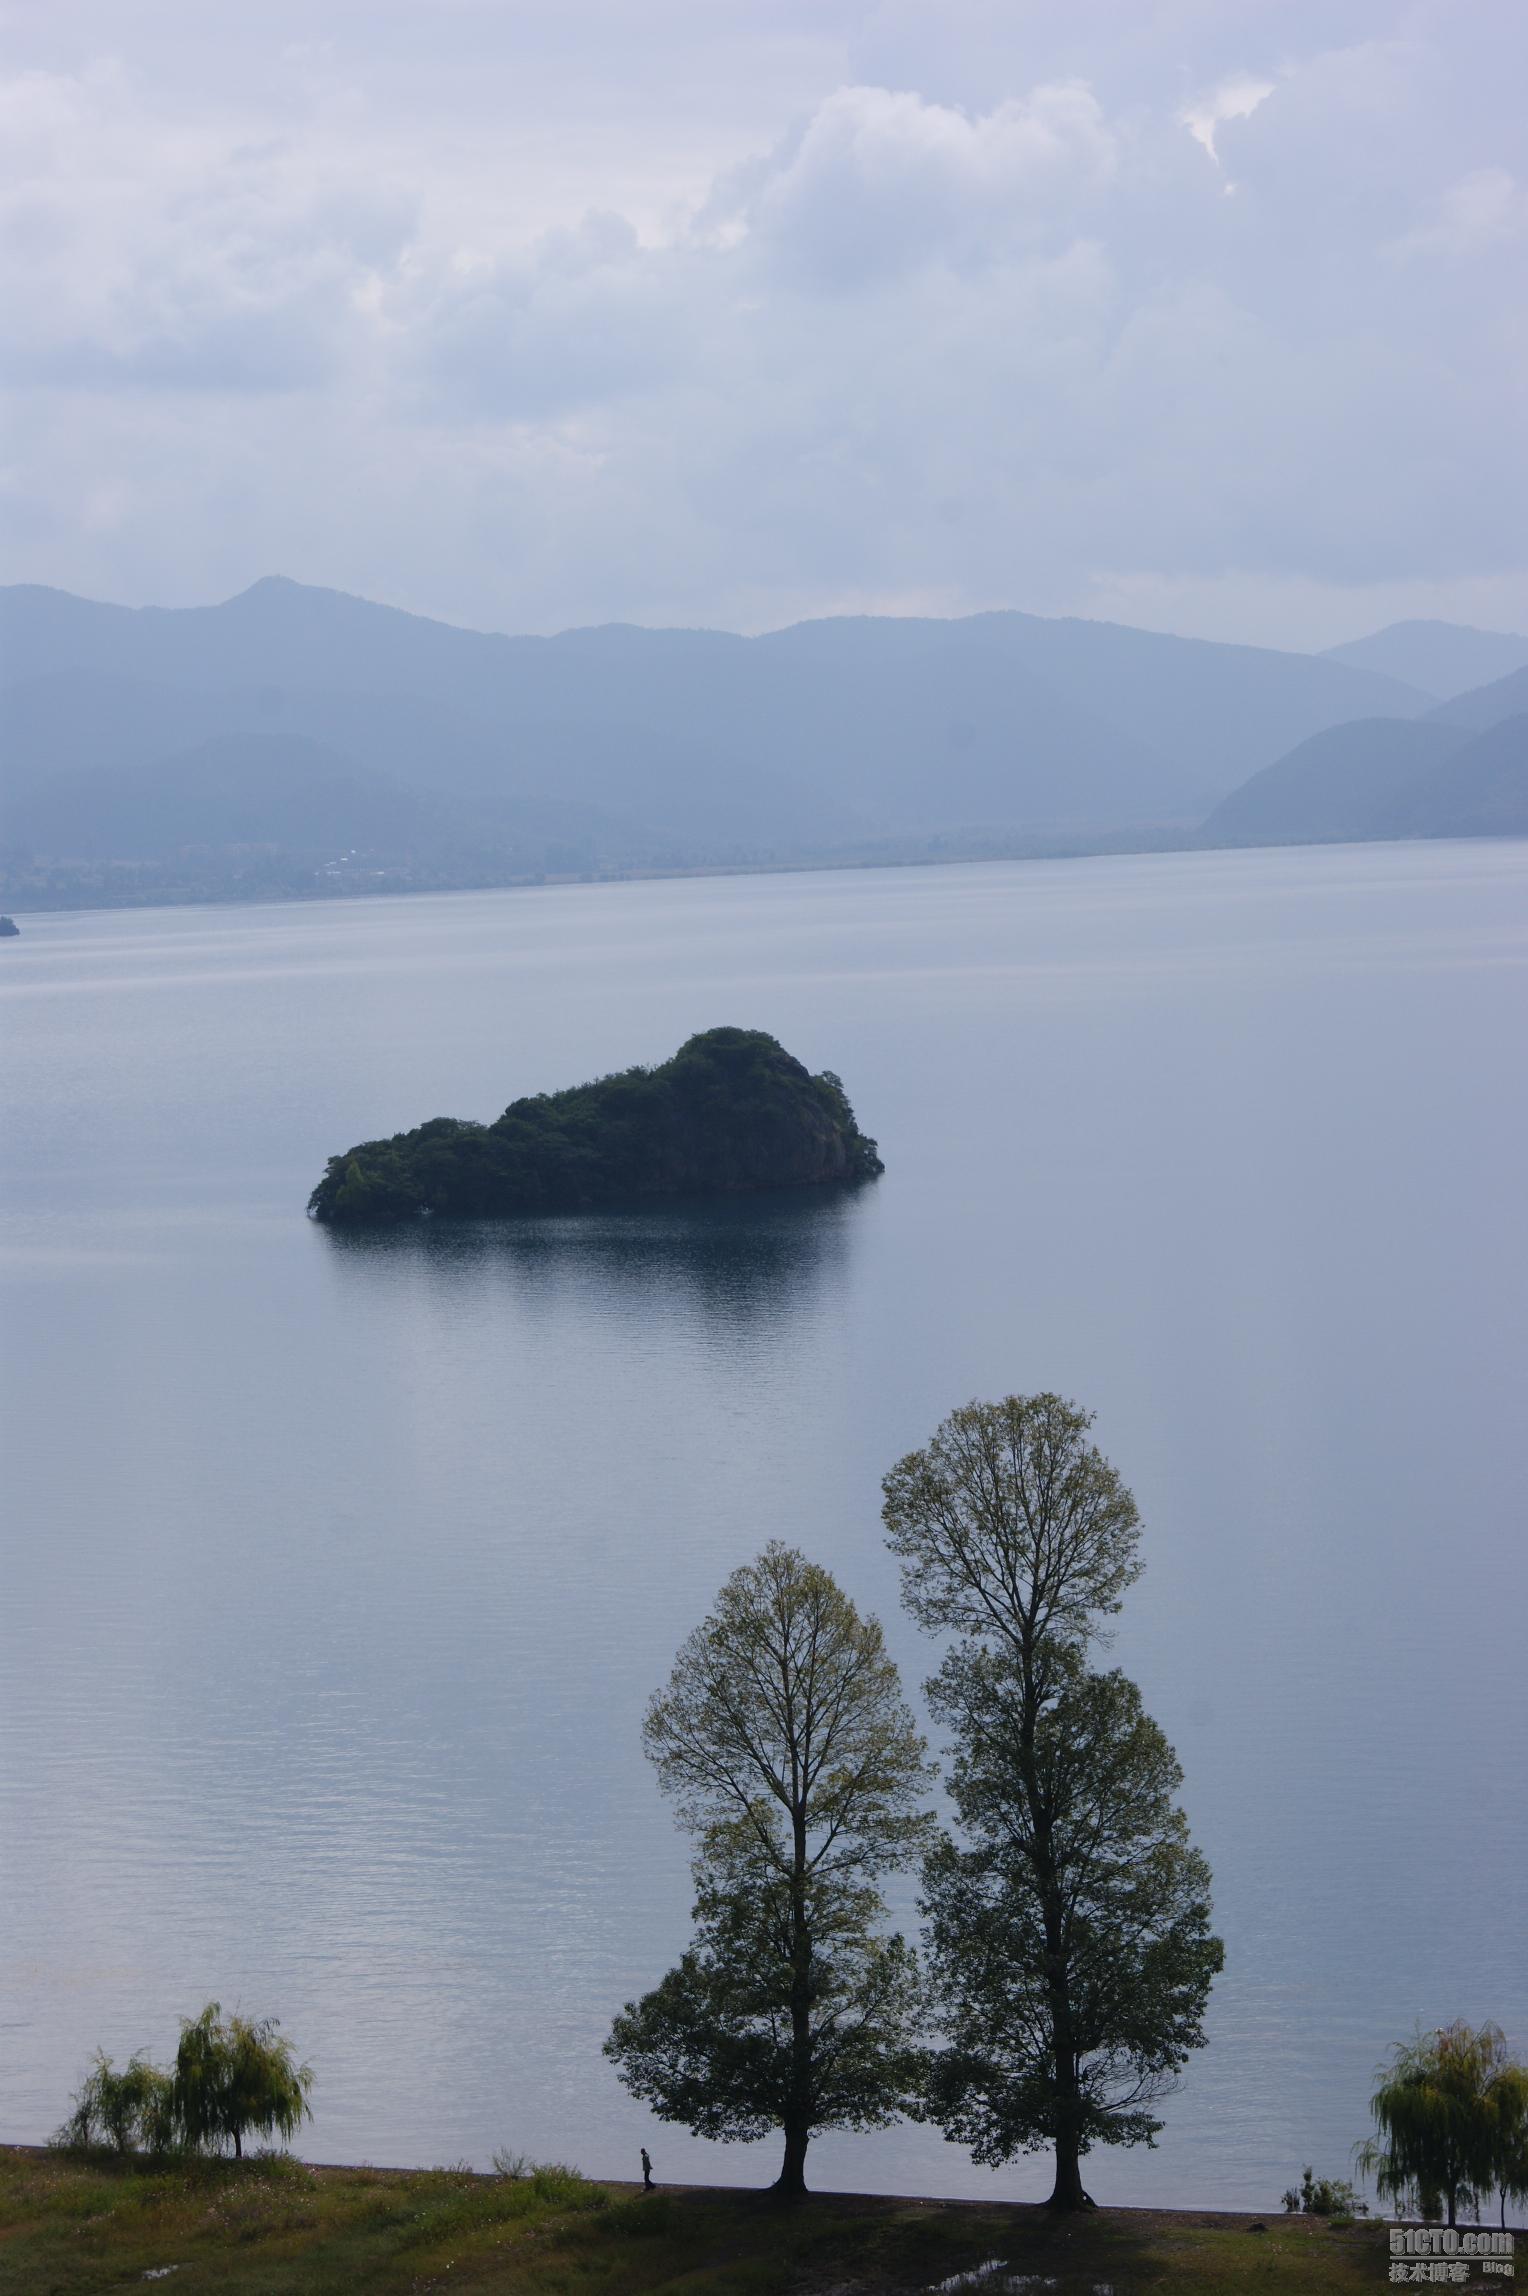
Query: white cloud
x=1234 y=99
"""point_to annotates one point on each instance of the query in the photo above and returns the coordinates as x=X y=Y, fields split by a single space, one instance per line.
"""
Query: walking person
x=647 y=2171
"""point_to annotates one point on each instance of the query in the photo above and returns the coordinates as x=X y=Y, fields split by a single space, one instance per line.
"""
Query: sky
x=1207 y=315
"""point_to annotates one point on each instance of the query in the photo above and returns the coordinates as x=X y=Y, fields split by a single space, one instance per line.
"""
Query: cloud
x=696 y=319
x=141 y=253
x=1235 y=99
x=876 y=182
x=585 y=318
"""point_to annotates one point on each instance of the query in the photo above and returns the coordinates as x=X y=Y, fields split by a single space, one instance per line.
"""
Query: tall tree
x=785 y=1744
x=1071 y=1940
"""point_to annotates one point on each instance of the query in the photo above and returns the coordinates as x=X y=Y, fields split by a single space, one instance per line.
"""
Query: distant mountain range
x=1447 y=658
x=297 y=739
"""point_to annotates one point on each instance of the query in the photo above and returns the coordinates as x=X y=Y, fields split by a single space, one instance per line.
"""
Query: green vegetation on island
x=729 y=1114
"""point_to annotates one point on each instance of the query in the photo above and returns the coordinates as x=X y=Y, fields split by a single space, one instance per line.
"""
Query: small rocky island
x=8 y=928
x=731 y=1113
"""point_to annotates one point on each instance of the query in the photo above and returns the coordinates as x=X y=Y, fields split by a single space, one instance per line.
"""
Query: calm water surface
x=337 y=1571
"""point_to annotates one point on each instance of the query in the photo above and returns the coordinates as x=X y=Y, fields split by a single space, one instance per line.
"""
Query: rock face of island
x=731 y=1113
x=8 y=928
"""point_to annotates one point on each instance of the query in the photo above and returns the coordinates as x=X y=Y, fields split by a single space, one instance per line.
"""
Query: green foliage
x=784 y=1741
x=1074 y=1926
x=731 y=1112
x=1069 y=1938
x=1509 y=2144
x=785 y=1711
x=1012 y=1527
x=127 y=2111
x=711 y=2045
x=233 y=2077
x=236 y=2077
x=457 y=2203
x=553 y=2180
x=1323 y=2196
x=1451 y=2121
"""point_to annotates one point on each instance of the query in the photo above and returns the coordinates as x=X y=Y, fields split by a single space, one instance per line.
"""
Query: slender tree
x=785 y=1744
x=1447 y=2120
x=1071 y=1939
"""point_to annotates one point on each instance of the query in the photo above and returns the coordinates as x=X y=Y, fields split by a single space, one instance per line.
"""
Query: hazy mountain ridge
x=622 y=747
x=1448 y=658
x=1487 y=705
x=1459 y=771
x=1377 y=778
x=1481 y=791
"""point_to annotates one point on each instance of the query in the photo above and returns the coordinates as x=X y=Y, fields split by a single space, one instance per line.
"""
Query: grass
x=276 y=2227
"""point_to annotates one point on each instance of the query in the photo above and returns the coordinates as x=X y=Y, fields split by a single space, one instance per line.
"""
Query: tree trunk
x=1067 y=2193
x=238 y=2146
x=790 y=2184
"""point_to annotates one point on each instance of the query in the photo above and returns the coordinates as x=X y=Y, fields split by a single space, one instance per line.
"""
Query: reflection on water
x=742 y=1261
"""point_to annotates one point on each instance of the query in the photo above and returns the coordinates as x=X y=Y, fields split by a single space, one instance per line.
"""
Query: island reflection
x=742 y=1261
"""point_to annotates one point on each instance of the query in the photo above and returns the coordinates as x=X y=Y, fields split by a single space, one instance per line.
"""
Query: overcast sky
x=1205 y=314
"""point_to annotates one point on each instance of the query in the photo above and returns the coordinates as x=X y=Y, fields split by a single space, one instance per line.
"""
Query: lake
x=337 y=1569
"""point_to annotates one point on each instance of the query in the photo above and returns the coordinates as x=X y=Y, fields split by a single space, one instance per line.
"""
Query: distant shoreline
x=164 y=897
x=1123 y=847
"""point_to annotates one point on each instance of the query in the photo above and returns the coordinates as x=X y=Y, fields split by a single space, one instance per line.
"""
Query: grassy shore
x=281 y=2228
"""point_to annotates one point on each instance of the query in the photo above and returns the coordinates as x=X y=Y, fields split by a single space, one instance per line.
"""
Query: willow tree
x=128 y=2110
x=784 y=1742
x=236 y=2077
x=1070 y=1934
x=1449 y=2117
x=1509 y=2141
